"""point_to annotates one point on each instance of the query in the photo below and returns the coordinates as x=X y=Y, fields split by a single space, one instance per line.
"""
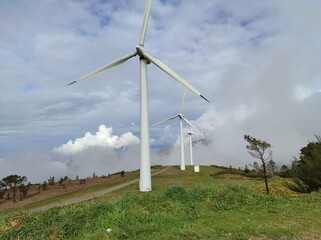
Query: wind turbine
x=182 y=119
x=144 y=58
x=189 y=134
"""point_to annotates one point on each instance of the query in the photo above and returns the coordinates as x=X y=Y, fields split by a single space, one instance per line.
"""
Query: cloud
x=36 y=166
x=301 y=92
x=103 y=161
x=101 y=153
x=102 y=138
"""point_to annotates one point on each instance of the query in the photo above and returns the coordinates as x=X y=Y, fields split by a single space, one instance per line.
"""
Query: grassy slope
x=183 y=205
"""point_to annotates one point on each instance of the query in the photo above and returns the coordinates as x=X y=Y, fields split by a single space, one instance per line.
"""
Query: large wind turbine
x=145 y=58
x=182 y=119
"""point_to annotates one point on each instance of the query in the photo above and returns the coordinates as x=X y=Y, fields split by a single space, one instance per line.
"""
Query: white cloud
x=37 y=167
x=103 y=138
x=302 y=92
x=213 y=119
x=168 y=137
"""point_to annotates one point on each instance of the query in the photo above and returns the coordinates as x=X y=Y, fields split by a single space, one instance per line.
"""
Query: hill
x=37 y=194
x=183 y=205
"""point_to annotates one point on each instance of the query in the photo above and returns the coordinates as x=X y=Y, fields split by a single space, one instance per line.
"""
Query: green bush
x=306 y=170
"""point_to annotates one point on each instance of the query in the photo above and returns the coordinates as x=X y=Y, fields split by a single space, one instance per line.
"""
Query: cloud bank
x=103 y=138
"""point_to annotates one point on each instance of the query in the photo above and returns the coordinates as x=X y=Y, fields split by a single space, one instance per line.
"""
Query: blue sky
x=258 y=62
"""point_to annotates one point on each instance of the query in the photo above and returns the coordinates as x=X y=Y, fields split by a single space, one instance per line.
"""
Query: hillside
x=183 y=205
x=66 y=189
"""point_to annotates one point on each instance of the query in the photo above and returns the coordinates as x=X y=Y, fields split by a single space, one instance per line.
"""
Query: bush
x=285 y=172
x=306 y=170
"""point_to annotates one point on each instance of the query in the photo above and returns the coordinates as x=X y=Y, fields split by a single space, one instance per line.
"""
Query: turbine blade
x=170 y=72
x=182 y=102
x=145 y=23
x=106 y=67
x=165 y=120
x=72 y=83
x=192 y=126
x=204 y=98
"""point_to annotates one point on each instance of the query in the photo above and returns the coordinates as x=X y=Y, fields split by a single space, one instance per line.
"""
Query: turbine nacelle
x=140 y=52
x=181 y=116
x=191 y=133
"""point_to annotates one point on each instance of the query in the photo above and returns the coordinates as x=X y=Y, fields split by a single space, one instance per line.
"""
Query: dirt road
x=92 y=195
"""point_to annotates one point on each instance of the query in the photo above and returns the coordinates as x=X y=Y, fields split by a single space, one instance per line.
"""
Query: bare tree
x=261 y=150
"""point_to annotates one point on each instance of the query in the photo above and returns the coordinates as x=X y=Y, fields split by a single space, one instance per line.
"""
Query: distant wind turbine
x=189 y=134
x=145 y=58
x=181 y=118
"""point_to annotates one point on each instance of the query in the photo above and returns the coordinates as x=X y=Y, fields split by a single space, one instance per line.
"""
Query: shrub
x=285 y=172
x=306 y=170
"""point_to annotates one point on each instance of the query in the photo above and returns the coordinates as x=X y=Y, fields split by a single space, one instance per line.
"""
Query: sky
x=258 y=62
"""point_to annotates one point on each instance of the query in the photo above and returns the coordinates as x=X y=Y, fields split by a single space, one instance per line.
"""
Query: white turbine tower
x=181 y=118
x=189 y=134
x=145 y=58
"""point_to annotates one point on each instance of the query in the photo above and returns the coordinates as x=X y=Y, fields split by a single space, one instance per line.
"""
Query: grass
x=183 y=205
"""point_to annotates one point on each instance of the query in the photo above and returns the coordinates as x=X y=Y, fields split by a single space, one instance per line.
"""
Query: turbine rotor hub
x=140 y=52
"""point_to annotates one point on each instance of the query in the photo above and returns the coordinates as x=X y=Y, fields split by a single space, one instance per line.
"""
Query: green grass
x=183 y=205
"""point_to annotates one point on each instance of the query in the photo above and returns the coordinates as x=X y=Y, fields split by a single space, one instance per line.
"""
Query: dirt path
x=92 y=195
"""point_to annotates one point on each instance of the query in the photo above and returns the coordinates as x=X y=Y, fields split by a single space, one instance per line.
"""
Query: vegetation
x=183 y=205
x=13 y=182
x=23 y=190
x=246 y=172
x=187 y=205
x=261 y=150
x=271 y=167
x=306 y=170
x=285 y=171
x=2 y=189
x=44 y=185
x=51 y=180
